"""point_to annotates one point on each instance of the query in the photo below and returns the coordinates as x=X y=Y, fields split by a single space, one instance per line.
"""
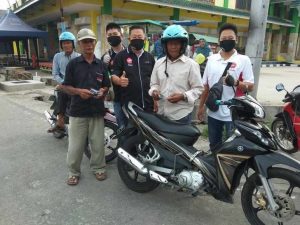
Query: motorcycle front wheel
x=111 y=142
x=131 y=178
x=285 y=185
x=283 y=136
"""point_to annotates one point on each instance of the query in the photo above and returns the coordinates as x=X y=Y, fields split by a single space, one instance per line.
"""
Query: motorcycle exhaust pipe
x=48 y=117
x=140 y=167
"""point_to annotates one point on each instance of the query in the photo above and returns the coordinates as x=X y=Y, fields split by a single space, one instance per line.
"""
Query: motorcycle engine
x=190 y=179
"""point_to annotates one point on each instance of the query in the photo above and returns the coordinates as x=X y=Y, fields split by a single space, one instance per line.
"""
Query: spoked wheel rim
x=286 y=195
x=110 y=140
x=282 y=135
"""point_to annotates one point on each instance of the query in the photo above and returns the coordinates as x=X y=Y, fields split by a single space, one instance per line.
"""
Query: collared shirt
x=138 y=70
x=81 y=74
x=60 y=62
x=184 y=77
x=241 y=68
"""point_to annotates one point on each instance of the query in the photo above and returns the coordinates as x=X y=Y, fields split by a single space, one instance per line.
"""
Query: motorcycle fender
x=279 y=115
x=285 y=116
x=264 y=162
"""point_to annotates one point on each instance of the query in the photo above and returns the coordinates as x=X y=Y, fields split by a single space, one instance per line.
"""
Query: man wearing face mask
x=132 y=70
x=239 y=75
x=114 y=38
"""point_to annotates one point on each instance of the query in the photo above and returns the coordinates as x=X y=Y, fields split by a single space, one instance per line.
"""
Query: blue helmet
x=175 y=32
x=67 y=36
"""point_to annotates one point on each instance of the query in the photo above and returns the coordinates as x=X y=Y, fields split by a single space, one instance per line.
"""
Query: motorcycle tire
x=283 y=136
x=111 y=142
x=131 y=178
x=253 y=195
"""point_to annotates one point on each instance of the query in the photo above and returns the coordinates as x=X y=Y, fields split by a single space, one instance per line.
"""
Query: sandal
x=56 y=128
x=73 y=180
x=100 y=176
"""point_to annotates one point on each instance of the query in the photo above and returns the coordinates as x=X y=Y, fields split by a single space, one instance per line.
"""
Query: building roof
x=212 y=9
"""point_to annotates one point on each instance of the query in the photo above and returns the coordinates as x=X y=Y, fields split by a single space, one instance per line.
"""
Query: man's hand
x=106 y=59
x=155 y=95
x=174 y=98
x=201 y=113
x=124 y=80
x=85 y=93
x=101 y=94
x=155 y=106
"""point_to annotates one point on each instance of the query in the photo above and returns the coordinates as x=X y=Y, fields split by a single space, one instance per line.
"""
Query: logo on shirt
x=129 y=61
x=233 y=65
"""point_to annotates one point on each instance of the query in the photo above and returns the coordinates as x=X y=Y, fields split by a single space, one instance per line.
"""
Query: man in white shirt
x=175 y=80
x=240 y=75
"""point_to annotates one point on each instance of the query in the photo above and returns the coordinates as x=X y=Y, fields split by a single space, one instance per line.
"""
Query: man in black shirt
x=132 y=70
x=84 y=73
x=114 y=38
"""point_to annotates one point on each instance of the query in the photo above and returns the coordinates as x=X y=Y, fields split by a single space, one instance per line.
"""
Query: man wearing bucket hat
x=83 y=74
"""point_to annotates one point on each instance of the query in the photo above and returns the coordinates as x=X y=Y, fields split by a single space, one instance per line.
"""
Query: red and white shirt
x=241 y=68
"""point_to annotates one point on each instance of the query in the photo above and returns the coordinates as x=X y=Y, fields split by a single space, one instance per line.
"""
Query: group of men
x=169 y=86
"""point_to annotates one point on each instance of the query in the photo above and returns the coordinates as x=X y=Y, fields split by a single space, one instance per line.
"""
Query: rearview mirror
x=279 y=87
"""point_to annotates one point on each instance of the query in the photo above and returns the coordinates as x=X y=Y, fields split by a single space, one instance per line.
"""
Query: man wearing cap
x=84 y=73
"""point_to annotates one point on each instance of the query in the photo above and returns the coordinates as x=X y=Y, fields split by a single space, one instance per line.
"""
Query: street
x=33 y=187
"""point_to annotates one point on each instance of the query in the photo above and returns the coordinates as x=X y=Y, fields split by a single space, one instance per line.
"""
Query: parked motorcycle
x=111 y=132
x=286 y=126
x=161 y=152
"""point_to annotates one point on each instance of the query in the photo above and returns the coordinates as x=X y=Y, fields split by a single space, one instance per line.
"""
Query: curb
x=279 y=65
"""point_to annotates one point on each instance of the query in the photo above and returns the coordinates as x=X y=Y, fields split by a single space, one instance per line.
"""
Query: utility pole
x=256 y=37
x=62 y=19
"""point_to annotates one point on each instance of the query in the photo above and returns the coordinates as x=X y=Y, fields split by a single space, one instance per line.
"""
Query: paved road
x=33 y=189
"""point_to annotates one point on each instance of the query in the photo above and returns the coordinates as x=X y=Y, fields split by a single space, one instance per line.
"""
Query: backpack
x=215 y=92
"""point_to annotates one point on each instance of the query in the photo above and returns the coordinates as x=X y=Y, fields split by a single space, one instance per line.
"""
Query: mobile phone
x=94 y=92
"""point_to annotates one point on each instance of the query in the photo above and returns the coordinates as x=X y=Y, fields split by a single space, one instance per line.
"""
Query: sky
x=4 y=4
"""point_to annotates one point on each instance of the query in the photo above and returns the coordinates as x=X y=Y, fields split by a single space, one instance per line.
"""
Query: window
x=243 y=4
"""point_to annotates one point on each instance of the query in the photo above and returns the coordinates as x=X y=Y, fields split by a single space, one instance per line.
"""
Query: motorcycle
x=162 y=152
x=111 y=131
x=286 y=126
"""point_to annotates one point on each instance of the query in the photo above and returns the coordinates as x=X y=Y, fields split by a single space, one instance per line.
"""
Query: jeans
x=121 y=118
x=186 y=120
x=215 y=131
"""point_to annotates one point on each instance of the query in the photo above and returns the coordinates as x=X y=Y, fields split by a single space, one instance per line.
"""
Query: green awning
x=141 y=22
x=208 y=39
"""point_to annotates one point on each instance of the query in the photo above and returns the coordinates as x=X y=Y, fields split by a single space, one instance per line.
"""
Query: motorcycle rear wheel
x=111 y=142
x=132 y=179
x=285 y=185
x=283 y=137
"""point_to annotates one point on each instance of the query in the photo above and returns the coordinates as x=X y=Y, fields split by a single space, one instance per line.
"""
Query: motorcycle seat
x=165 y=125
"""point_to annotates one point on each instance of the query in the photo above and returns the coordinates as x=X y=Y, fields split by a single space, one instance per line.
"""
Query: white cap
x=85 y=34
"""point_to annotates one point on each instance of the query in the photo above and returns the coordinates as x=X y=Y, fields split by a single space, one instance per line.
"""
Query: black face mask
x=138 y=44
x=114 y=40
x=227 y=45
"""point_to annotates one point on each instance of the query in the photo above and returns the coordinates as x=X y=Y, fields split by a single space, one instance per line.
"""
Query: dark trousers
x=215 y=131
x=63 y=101
x=186 y=120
